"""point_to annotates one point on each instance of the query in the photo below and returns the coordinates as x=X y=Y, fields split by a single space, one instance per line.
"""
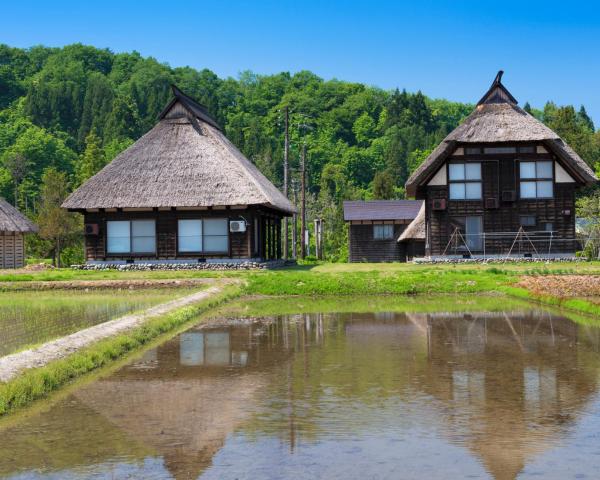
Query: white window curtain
x=118 y=237
x=216 y=238
x=190 y=235
x=209 y=235
x=143 y=236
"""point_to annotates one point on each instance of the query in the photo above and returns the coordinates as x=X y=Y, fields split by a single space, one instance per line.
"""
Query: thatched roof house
x=498 y=119
x=13 y=226
x=184 y=164
x=499 y=176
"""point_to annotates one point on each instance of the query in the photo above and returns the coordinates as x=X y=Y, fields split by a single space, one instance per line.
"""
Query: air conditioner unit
x=491 y=202
x=439 y=204
x=91 y=229
x=567 y=212
x=509 y=195
x=236 y=226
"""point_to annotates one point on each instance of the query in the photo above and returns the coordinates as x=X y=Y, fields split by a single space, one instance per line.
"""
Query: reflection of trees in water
x=506 y=386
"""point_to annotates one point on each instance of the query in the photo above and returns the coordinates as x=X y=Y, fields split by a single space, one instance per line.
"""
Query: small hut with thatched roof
x=501 y=183
x=183 y=192
x=13 y=228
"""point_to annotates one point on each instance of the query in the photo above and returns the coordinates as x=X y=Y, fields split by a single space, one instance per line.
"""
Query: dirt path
x=12 y=365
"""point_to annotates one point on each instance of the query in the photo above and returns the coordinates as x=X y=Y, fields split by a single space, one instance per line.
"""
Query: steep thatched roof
x=13 y=221
x=496 y=119
x=184 y=161
x=416 y=228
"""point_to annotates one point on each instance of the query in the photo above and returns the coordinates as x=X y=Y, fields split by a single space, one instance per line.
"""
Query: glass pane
x=456 y=171
x=474 y=229
x=457 y=191
x=544 y=189
x=527 y=169
x=117 y=236
x=190 y=235
x=377 y=232
x=215 y=243
x=472 y=150
x=529 y=149
x=473 y=191
x=528 y=220
x=389 y=231
x=527 y=189
x=143 y=236
x=143 y=244
x=215 y=226
x=143 y=228
x=473 y=171
x=500 y=150
x=544 y=169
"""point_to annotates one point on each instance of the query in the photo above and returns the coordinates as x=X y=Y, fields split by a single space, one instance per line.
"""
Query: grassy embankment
x=38 y=383
x=315 y=280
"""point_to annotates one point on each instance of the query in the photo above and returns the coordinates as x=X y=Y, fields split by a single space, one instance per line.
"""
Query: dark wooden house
x=182 y=193
x=502 y=183
x=13 y=228
x=374 y=229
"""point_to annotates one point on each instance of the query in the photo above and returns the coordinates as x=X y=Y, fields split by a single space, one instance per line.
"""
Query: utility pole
x=286 y=152
x=295 y=222
x=303 y=200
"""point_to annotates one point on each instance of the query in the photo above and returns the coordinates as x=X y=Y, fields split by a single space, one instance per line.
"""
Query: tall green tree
x=59 y=227
x=91 y=160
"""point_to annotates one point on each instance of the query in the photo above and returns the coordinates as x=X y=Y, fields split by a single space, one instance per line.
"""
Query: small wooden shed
x=13 y=227
x=374 y=228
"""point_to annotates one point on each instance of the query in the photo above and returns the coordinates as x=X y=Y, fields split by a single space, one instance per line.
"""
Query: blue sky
x=449 y=49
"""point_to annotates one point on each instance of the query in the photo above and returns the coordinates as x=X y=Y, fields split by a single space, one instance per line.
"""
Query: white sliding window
x=118 y=237
x=216 y=238
x=143 y=236
x=190 y=235
x=209 y=235
x=135 y=236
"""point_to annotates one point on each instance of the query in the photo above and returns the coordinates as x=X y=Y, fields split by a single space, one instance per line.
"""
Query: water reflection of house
x=515 y=381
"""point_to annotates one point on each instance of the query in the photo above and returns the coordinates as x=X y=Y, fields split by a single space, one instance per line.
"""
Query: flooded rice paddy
x=396 y=389
x=32 y=317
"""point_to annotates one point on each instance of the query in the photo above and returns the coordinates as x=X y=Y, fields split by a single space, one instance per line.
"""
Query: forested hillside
x=66 y=112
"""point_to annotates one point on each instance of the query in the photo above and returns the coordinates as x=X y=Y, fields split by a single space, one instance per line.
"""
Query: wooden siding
x=12 y=250
x=241 y=244
x=364 y=248
x=500 y=173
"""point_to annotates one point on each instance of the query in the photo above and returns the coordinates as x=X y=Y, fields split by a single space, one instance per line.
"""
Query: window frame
x=130 y=252
x=385 y=227
x=536 y=180
x=204 y=252
x=465 y=181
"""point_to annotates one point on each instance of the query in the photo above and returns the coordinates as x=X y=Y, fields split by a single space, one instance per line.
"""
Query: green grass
x=301 y=282
x=38 y=383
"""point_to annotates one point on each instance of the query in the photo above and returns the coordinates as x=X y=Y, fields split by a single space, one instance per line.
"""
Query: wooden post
x=286 y=151
x=278 y=230
x=295 y=228
x=303 y=200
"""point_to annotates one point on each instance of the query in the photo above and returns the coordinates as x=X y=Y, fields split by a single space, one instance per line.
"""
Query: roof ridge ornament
x=497 y=93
